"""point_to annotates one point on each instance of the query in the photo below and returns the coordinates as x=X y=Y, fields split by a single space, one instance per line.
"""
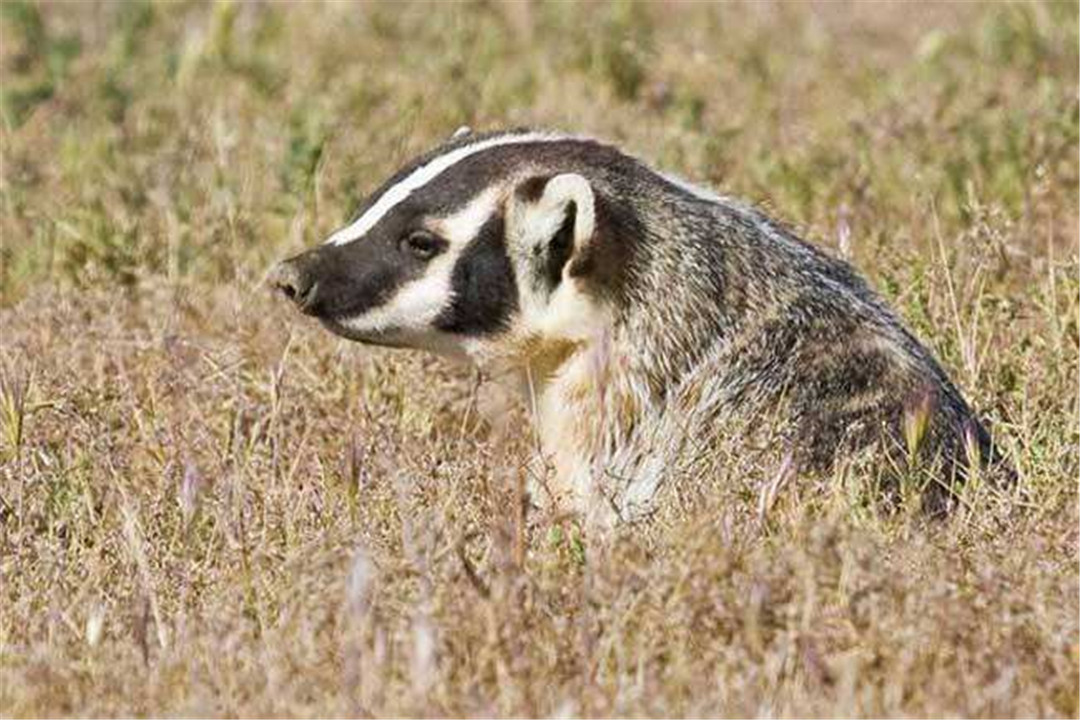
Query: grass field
x=209 y=506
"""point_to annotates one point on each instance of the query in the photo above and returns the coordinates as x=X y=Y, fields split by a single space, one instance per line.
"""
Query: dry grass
x=207 y=507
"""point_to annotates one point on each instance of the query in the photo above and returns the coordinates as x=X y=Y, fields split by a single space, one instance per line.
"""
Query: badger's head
x=488 y=243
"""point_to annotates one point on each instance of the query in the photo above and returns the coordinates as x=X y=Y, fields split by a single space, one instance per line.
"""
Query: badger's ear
x=461 y=132
x=564 y=219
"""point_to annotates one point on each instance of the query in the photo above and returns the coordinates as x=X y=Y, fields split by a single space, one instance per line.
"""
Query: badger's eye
x=422 y=244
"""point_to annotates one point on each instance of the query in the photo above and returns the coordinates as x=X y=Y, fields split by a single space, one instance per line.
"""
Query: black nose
x=296 y=280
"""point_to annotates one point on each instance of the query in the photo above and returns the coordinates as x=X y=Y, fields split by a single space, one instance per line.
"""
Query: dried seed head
x=95 y=626
x=843 y=232
x=190 y=489
x=358 y=590
x=423 y=658
x=916 y=420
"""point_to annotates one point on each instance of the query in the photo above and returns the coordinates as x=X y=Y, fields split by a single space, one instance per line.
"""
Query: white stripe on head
x=464 y=225
x=423 y=175
x=417 y=303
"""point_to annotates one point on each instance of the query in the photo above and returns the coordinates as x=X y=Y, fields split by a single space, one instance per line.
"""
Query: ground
x=209 y=506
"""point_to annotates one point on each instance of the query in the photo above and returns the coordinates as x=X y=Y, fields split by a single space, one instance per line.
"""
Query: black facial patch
x=483 y=286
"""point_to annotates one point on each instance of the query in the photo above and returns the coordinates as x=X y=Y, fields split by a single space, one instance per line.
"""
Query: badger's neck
x=585 y=406
x=595 y=401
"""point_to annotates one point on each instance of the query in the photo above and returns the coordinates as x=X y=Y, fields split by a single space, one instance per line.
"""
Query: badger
x=640 y=318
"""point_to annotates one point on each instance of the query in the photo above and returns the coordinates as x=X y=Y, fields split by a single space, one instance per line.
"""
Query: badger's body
x=641 y=318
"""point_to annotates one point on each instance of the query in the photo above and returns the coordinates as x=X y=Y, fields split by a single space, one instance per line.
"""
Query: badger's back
x=763 y=329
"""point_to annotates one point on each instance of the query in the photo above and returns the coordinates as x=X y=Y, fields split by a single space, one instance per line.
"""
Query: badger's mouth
x=391 y=339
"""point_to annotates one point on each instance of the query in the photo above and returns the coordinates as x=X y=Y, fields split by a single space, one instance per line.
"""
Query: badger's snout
x=342 y=284
x=297 y=279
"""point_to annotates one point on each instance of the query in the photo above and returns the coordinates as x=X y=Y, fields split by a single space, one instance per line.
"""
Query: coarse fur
x=641 y=318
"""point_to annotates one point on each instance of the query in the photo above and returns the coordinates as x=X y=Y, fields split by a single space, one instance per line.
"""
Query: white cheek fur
x=572 y=314
x=415 y=305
